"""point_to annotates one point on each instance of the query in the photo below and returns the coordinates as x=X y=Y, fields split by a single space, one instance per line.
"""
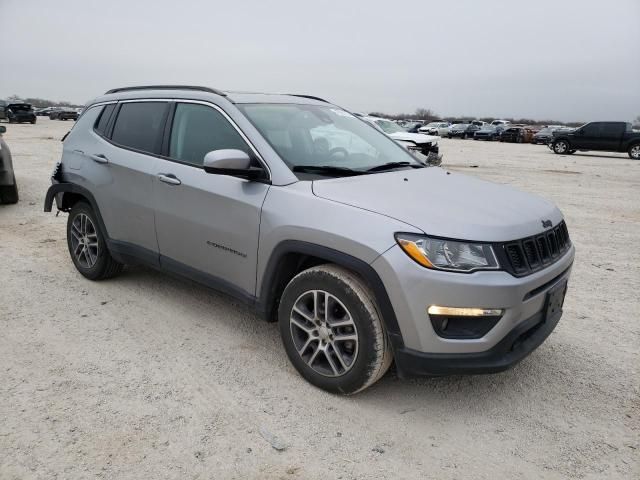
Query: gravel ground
x=147 y=376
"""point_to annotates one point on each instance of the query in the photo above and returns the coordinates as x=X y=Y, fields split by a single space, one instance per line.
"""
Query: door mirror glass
x=3 y=129
x=231 y=162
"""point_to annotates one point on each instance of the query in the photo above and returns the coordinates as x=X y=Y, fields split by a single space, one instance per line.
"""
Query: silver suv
x=360 y=252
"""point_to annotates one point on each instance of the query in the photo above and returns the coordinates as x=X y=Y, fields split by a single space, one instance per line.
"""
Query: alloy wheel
x=324 y=333
x=84 y=241
x=635 y=152
x=560 y=147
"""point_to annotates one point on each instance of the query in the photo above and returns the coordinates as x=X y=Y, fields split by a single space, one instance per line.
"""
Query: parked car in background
x=67 y=114
x=417 y=143
x=3 y=110
x=8 y=185
x=412 y=127
x=43 y=112
x=362 y=255
x=436 y=128
x=489 y=132
x=21 y=113
x=54 y=112
x=599 y=136
x=516 y=135
x=463 y=130
x=500 y=122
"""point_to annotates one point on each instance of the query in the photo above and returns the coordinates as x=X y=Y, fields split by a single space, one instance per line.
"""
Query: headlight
x=450 y=255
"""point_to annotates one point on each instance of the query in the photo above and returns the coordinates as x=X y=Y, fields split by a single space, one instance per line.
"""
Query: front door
x=207 y=225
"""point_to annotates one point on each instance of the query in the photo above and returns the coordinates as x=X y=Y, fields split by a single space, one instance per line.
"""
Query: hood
x=414 y=137
x=444 y=204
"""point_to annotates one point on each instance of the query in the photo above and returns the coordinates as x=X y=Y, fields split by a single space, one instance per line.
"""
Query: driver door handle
x=99 y=158
x=169 y=179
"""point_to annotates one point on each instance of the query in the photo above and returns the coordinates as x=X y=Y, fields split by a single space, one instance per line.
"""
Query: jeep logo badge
x=546 y=223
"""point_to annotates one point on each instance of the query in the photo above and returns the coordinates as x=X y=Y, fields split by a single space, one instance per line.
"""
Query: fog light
x=463 y=323
x=464 y=312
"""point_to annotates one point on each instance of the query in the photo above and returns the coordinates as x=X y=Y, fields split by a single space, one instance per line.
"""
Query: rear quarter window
x=103 y=120
x=139 y=126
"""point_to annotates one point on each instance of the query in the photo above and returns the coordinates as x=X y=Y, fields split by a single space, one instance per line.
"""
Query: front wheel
x=332 y=331
x=88 y=246
x=634 y=152
x=560 y=147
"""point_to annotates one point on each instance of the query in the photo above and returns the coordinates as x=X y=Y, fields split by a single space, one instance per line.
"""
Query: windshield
x=318 y=136
x=390 y=127
x=460 y=126
x=433 y=124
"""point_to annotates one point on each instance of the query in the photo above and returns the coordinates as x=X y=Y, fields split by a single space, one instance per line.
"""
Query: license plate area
x=555 y=300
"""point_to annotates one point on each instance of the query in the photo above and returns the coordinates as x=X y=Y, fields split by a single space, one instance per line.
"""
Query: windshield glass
x=314 y=135
x=390 y=127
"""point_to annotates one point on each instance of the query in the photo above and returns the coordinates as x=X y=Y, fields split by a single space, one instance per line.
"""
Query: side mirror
x=234 y=163
x=3 y=129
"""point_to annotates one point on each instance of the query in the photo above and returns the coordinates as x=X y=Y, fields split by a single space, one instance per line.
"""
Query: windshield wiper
x=392 y=165
x=328 y=169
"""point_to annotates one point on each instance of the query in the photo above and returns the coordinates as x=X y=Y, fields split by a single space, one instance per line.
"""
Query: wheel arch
x=67 y=195
x=290 y=257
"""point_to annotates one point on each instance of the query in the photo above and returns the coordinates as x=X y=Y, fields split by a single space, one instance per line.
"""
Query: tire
x=87 y=245
x=464 y=136
x=9 y=193
x=344 y=366
x=33 y=122
x=561 y=147
x=634 y=152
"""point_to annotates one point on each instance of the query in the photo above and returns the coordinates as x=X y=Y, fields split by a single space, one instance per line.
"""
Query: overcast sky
x=570 y=60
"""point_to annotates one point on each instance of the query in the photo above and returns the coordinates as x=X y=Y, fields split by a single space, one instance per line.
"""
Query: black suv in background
x=20 y=112
x=601 y=136
x=63 y=114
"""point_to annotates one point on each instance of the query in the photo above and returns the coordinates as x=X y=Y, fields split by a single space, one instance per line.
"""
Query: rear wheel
x=9 y=193
x=332 y=331
x=87 y=245
x=561 y=147
x=634 y=151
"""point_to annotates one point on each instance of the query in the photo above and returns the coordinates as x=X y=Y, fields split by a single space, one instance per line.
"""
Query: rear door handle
x=169 y=178
x=99 y=158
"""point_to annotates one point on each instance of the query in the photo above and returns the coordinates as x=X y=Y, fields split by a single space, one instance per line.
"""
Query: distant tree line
x=41 y=102
x=428 y=115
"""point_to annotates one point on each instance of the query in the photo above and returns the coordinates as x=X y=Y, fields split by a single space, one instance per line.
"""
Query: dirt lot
x=146 y=376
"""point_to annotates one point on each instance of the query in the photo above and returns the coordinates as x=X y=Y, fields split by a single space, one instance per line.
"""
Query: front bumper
x=413 y=288
x=519 y=343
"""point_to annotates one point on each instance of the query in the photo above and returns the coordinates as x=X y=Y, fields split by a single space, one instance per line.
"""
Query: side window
x=197 y=130
x=103 y=119
x=611 y=130
x=139 y=125
x=592 y=130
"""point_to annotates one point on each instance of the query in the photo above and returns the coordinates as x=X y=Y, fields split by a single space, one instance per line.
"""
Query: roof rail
x=166 y=87
x=311 y=97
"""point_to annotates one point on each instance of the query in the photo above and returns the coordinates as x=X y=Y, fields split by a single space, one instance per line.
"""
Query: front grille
x=528 y=255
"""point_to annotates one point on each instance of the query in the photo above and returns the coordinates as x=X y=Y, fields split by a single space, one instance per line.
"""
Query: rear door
x=611 y=135
x=125 y=162
x=207 y=225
